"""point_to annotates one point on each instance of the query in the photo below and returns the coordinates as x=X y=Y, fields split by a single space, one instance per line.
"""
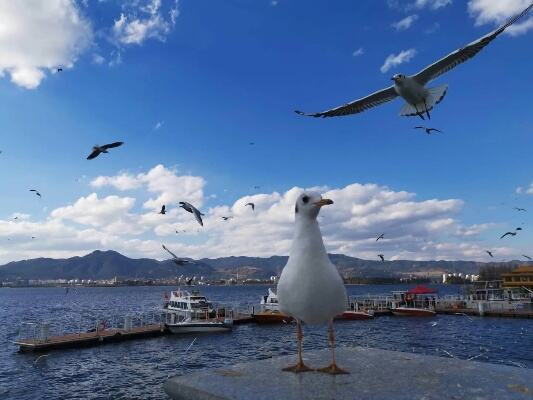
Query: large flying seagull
x=418 y=98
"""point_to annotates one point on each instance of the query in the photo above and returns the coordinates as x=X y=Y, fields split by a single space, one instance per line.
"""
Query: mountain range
x=108 y=264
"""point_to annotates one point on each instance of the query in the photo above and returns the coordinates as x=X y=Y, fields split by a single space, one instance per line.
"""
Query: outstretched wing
x=463 y=54
x=171 y=253
x=357 y=106
x=112 y=145
x=94 y=154
x=198 y=216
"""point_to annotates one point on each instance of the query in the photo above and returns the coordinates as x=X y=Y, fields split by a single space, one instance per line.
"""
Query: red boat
x=413 y=312
x=351 y=315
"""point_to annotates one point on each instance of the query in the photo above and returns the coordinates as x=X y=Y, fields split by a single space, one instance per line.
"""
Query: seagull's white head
x=398 y=78
x=309 y=203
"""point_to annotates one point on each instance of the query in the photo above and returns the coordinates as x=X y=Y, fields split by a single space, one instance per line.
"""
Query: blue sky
x=219 y=75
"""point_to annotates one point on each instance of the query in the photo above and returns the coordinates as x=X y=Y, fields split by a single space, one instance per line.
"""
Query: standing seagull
x=97 y=150
x=163 y=210
x=310 y=288
x=36 y=192
x=489 y=253
x=250 y=204
x=428 y=130
x=382 y=236
x=192 y=209
x=412 y=89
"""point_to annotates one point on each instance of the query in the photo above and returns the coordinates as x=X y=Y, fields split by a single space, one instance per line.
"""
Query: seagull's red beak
x=324 y=202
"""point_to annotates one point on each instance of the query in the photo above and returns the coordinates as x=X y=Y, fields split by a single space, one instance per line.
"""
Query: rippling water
x=138 y=368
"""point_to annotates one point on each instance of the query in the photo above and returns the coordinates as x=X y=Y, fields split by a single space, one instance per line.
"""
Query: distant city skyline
x=203 y=93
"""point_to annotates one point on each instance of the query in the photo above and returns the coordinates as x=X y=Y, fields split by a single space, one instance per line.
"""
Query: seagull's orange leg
x=332 y=368
x=299 y=366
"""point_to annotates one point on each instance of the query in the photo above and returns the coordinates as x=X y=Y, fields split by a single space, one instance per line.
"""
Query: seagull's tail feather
x=435 y=96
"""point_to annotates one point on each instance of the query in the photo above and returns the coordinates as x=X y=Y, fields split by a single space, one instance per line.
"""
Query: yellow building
x=520 y=277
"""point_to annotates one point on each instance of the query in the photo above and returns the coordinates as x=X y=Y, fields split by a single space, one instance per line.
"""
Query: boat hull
x=413 y=312
x=355 y=315
x=198 y=327
x=271 y=317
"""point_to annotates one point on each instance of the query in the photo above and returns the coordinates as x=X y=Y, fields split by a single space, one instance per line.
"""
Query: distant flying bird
x=250 y=204
x=163 y=210
x=518 y=229
x=382 y=236
x=16 y=218
x=508 y=233
x=226 y=218
x=60 y=69
x=36 y=192
x=175 y=258
x=419 y=99
x=192 y=209
x=519 y=209
x=257 y=187
x=523 y=255
x=382 y=257
x=251 y=143
x=97 y=150
x=428 y=130
x=489 y=253
x=33 y=237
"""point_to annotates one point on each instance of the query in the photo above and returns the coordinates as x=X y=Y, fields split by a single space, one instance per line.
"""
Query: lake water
x=138 y=368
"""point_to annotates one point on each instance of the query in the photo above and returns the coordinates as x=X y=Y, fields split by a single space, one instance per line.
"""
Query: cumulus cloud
x=146 y=22
x=405 y=23
x=432 y=4
x=415 y=229
x=498 y=12
x=393 y=60
x=359 y=52
x=38 y=36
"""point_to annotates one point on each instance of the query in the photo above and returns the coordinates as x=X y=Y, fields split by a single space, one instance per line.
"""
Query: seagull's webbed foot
x=298 y=367
x=333 y=369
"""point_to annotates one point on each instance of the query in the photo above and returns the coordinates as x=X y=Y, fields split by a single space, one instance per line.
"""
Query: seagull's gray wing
x=94 y=154
x=171 y=253
x=463 y=54
x=357 y=106
x=112 y=145
x=197 y=215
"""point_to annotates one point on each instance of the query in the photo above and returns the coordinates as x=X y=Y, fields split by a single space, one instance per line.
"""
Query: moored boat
x=269 y=312
x=416 y=302
x=412 y=312
x=353 y=315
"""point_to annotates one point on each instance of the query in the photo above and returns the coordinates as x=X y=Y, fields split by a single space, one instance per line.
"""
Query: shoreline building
x=520 y=277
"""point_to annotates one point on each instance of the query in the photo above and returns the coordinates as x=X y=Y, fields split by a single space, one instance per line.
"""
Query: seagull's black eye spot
x=305 y=199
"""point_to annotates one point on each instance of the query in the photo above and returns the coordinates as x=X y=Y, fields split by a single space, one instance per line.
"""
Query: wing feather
x=171 y=253
x=94 y=154
x=463 y=54
x=112 y=145
x=357 y=106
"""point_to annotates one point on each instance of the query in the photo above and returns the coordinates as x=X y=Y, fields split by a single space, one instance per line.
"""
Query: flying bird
x=192 y=209
x=508 y=233
x=489 y=253
x=257 y=187
x=16 y=218
x=36 y=192
x=175 y=258
x=523 y=255
x=310 y=288
x=382 y=236
x=226 y=218
x=428 y=130
x=518 y=229
x=60 y=69
x=382 y=257
x=163 y=210
x=97 y=150
x=519 y=209
x=418 y=98
x=250 y=204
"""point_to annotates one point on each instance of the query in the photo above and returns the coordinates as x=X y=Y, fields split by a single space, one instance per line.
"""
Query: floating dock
x=374 y=375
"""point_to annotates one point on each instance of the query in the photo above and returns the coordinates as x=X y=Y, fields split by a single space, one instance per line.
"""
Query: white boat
x=269 y=312
x=187 y=312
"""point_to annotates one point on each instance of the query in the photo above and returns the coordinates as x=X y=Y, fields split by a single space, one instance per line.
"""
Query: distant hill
x=108 y=264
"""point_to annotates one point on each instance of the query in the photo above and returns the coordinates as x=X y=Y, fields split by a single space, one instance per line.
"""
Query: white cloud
x=98 y=59
x=36 y=36
x=147 y=22
x=359 y=52
x=405 y=23
x=498 y=12
x=394 y=60
x=158 y=125
x=433 y=4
